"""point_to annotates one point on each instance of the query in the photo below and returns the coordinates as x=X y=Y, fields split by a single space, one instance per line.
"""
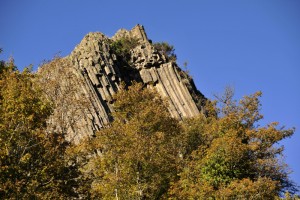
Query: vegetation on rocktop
x=143 y=154
x=122 y=46
x=166 y=49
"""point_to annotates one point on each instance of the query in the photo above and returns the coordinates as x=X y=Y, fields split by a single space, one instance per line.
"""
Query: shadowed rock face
x=92 y=74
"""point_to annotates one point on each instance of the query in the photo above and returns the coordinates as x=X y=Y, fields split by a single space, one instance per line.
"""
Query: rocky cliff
x=82 y=84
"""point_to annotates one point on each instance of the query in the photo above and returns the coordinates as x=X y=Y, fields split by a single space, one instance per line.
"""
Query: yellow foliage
x=230 y=157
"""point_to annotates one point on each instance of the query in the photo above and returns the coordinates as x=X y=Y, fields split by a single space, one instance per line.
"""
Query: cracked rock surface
x=92 y=74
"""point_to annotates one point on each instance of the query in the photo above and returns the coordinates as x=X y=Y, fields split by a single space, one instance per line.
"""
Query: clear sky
x=250 y=45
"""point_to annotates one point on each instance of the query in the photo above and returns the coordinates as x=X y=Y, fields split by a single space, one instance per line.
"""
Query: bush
x=123 y=46
x=166 y=49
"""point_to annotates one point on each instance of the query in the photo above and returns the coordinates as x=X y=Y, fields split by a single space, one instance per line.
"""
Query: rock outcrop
x=92 y=74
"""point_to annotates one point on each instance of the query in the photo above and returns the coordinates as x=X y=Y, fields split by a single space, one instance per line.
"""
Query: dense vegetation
x=33 y=164
x=143 y=153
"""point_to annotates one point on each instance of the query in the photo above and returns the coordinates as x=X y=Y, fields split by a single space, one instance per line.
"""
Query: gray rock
x=97 y=74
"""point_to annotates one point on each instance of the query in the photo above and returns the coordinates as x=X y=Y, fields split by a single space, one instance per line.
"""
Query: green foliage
x=32 y=163
x=166 y=49
x=235 y=159
x=122 y=46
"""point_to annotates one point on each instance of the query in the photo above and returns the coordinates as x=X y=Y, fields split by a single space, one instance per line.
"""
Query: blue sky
x=250 y=45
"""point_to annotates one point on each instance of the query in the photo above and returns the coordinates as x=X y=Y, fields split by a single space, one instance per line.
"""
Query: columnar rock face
x=96 y=74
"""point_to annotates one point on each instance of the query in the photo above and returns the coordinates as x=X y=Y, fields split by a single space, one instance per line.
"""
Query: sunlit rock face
x=90 y=76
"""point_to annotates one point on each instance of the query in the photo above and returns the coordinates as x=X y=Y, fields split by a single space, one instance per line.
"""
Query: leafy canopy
x=143 y=153
x=138 y=153
x=32 y=162
x=235 y=158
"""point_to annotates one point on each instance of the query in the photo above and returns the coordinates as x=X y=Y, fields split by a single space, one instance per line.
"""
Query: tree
x=32 y=161
x=235 y=158
x=138 y=153
x=166 y=49
x=122 y=46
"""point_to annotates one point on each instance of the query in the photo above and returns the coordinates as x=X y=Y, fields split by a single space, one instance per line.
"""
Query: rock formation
x=90 y=76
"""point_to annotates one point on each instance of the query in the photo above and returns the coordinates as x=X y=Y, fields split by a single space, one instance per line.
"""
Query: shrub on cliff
x=166 y=49
x=122 y=46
